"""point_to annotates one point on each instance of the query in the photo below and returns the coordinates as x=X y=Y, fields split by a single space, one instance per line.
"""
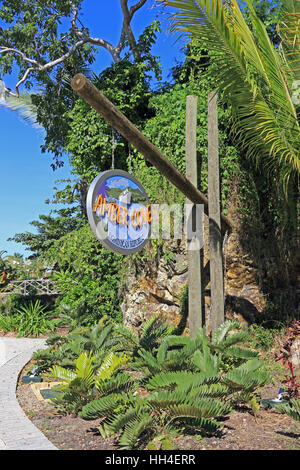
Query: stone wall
x=156 y=286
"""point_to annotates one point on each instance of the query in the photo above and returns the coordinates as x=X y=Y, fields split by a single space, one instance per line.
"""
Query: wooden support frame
x=193 y=256
x=215 y=236
x=118 y=121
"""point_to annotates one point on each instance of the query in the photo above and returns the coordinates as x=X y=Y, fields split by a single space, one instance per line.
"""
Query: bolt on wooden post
x=215 y=235
x=193 y=256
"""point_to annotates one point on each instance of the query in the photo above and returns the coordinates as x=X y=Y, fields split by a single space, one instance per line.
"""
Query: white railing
x=28 y=286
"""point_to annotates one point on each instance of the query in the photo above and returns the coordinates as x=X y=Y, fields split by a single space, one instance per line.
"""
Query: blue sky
x=26 y=177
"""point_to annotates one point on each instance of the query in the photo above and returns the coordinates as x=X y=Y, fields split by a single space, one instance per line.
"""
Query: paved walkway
x=17 y=432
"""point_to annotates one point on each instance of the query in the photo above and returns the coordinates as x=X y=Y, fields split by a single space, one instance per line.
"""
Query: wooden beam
x=118 y=121
x=215 y=236
x=193 y=256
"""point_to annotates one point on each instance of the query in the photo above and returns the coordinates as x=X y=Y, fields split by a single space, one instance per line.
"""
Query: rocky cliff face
x=156 y=286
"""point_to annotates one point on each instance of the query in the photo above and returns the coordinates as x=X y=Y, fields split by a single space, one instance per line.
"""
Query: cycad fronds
x=110 y=364
x=84 y=368
x=180 y=379
x=223 y=331
x=66 y=375
x=102 y=407
x=151 y=335
x=121 y=382
x=247 y=377
x=291 y=409
x=133 y=431
x=117 y=423
x=202 y=409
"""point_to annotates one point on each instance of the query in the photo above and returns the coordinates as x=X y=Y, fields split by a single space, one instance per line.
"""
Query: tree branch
x=82 y=34
x=128 y=14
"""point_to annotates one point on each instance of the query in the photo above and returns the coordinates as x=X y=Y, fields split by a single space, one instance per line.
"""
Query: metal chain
x=112 y=149
x=130 y=160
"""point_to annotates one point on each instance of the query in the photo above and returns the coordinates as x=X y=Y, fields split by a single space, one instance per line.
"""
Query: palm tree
x=255 y=79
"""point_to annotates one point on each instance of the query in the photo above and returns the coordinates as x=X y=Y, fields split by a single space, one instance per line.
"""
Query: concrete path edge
x=17 y=432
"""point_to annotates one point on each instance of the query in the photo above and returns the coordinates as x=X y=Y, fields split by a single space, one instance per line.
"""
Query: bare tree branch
x=83 y=37
x=127 y=20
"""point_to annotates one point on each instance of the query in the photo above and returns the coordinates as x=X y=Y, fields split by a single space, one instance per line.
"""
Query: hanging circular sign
x=119 y=211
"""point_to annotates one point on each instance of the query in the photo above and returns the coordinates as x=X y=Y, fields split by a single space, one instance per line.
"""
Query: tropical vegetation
x=149 y=385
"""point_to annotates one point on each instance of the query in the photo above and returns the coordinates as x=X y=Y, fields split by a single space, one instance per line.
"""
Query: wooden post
x=121 y=124
x=215 y=236
x=193 y=256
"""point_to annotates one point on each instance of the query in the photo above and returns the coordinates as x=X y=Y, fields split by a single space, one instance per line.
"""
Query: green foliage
x=63 y=350
x=9 y=322
x=34 y=320
x=255 y=79
x=84 y=383
x=291 y=409
x=91 y=139
x=180 y=352
x=10 y=303
x=149 y=336
x=166 y=129
x=264 y=338
x=182 y=385
x=89 y=281
x=49 y=230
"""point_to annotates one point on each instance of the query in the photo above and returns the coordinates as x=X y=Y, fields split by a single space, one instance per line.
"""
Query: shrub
x=34 y=320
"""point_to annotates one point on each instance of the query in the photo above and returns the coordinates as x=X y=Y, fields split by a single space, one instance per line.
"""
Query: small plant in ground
x=34 y=320
x=9 y=322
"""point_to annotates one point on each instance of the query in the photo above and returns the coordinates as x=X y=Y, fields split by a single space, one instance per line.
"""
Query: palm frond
x=61 y=373
x=24 y=107
x=289 y=31
x=251 y=77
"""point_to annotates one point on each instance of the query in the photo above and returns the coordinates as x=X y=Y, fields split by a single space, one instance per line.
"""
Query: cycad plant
x=178 y=401
x=291 y=409
x=185 y=387
x=24 y=107
x=184 y=353
x=259 y=82
x=85 y=384
x=63 y=350
x=148 y=338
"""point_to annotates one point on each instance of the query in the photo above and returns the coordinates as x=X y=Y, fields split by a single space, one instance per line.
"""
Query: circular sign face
x=119 y=211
